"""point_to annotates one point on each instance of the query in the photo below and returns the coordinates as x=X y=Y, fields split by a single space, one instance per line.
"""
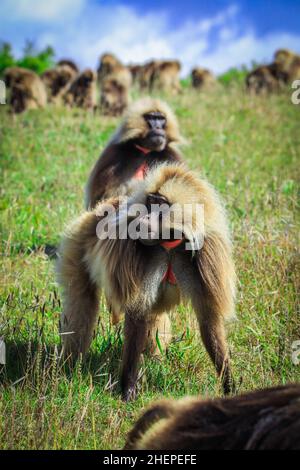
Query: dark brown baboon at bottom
x=261 y=420
x=82 y=91
x=146 y=277
x=25 y=89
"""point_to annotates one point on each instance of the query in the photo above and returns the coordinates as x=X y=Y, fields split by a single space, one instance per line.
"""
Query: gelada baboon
x=146 y=277
x=288 y=63
x=147 y=136
x=166 y=76
x=69 y=63
x=110 y=65
x=57 y=80
x=263 y=80
x=82 y=91
x=261 y=420
x=202 y=78
x=114 y=96
x=25 y=89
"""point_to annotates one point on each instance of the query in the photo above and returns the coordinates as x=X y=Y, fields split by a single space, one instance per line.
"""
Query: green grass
x=249 y=149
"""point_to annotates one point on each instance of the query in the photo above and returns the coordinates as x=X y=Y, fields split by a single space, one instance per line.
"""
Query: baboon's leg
x=81 y=299
x=214 y=338
x=213 y=301
x=135 y=337
x=79 y=317
x=160 y=327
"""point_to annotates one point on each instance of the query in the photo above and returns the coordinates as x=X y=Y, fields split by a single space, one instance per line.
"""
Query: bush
x=31 y=59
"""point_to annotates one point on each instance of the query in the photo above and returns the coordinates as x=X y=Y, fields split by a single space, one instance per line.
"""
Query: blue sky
x=217 y=34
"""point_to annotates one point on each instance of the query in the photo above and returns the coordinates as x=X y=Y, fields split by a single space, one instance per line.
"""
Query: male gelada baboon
x=57 y=80
x=261 y=420
x=288 y=62
x=147 y=136
x=263 y=80
x=111 y=66
x=114 y=96
x=82 y=91
x=145 y=278
x=25 y=89
x=202 y=78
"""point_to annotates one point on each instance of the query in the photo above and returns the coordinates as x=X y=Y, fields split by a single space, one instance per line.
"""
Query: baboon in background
x=263 y=79
x=147 y=136
x=108 y=62
x=146 y=74
x=114 y=96
x=288 y=63
x=166 y=76
x=145 y=278
x=135 y=71
x=111 y=66
x=202 y=78
x=26 y=89
x=261 y=420
x=69 y=63
x=57 y=81
x=82 y=91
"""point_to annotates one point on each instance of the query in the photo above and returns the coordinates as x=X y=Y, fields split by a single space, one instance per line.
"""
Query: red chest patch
x=141 y=172
x=169 y=276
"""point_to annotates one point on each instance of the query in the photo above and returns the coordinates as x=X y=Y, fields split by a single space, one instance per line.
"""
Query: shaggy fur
x=131 y=274
x=26 y=89
x=202 y=78
x=114 y=96
x=57 y=81
x=69 y=63
x=116 y=167
x=82 y=91
x=165 y=76
x=261 y=420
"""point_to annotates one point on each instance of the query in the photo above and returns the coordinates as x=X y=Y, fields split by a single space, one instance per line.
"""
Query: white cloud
x=94 y=28
x=40 y=10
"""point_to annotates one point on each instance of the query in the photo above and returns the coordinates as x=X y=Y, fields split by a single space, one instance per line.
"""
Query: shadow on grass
x=31 y=361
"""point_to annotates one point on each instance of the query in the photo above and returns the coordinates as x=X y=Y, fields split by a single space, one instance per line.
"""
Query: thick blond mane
x=134 y=126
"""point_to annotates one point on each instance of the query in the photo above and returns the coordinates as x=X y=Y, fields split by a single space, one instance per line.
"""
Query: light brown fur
x=57 y=80
x=26 y=89
x=131 y=278
x=202 y=78
x=82 y=91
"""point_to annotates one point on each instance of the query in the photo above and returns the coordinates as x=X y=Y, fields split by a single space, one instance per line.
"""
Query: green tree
x=6 y=56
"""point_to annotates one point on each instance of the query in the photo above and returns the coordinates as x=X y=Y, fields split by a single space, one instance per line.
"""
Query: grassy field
x=249 y=149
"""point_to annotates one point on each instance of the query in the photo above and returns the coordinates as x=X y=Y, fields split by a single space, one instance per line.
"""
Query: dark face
x=152 y=224
x=156 y=138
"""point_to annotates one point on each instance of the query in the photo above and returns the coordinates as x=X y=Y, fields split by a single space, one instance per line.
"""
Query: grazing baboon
x=146 y=277
x=69 y=63
x=166 y=76
x=202 y=78
x=261 y=420
x=146 y=74
x=108 y=62
x=114 y=96
x=263 y=80
x=82 y=91
x=57 y=81
x=288 y=63
x=26 y=89
x=147 y=136
x=111 y=66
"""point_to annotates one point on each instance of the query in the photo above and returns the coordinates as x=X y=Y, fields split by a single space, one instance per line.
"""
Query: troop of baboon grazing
x=65 y=84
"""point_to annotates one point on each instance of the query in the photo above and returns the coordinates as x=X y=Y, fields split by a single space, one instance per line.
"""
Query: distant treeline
x=38 y=61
